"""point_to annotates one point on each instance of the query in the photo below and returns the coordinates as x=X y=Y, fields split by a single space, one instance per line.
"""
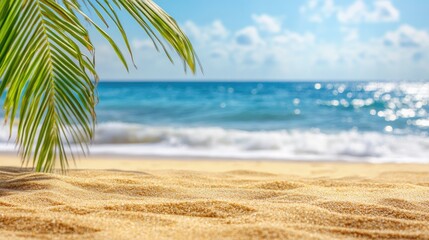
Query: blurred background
x=283 y=80
x=294 y=39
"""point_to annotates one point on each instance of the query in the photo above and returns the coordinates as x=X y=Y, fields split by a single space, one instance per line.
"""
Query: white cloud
x=142 y=43
x=382 y=11
x=407 y=36
x=357 y=12
x=215 y=31
x=267 y=23
x=248 y=36
x=385 y=11
x=354 y=13
x=317 y=10
x=289 y=37
x=350 y=34
x=287 y=54
x=290 y=54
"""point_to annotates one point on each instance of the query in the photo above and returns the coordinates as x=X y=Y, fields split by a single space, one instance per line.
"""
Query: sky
x=286 y=40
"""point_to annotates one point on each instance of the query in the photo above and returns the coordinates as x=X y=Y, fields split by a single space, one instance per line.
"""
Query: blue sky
x=288 y=40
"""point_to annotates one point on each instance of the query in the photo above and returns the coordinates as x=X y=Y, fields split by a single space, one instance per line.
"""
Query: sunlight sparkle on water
x=317 y=86
x=388 y=129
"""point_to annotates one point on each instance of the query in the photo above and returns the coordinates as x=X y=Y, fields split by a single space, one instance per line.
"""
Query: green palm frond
x=47 y=68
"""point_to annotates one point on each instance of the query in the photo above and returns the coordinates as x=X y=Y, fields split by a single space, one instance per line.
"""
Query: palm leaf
x=48 y=72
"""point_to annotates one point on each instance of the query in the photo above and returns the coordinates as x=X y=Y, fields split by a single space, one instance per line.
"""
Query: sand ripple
x=197 y=205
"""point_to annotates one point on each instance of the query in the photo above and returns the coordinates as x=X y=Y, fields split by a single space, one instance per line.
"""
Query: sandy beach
x=180 y=199
x=214 y=120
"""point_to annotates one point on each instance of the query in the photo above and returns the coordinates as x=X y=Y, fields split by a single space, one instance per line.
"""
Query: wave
x=214 y=142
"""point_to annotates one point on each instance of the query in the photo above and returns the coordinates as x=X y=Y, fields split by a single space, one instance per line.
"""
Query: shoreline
x=132 y=157
x=125 y=163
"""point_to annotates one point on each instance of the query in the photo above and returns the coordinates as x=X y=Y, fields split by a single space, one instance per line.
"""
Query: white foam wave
x=139 y=140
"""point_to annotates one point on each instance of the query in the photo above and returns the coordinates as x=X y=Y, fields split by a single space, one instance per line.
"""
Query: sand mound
x=96 y=204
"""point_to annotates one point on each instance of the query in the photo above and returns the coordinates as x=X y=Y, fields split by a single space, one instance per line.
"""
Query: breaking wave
x=216 y=142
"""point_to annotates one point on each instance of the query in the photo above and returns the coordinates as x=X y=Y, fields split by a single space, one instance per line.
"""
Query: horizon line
x=260 y=80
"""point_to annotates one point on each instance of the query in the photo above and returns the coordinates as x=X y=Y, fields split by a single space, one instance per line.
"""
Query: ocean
x=313 y=121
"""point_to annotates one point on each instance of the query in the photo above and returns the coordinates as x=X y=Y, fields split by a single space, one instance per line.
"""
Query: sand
x=179 y=199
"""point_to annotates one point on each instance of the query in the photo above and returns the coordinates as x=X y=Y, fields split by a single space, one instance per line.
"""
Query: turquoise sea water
x=351 y=121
